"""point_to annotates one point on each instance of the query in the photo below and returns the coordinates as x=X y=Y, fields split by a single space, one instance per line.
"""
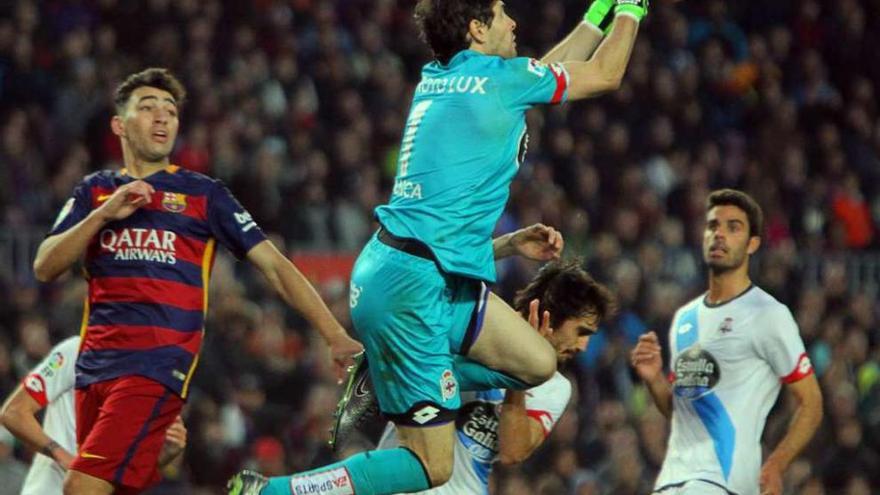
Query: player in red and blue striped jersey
x=148 y=234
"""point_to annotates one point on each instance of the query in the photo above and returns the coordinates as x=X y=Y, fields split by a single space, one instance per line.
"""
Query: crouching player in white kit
x=507 y=426
x=50 y=385
x=730 y=349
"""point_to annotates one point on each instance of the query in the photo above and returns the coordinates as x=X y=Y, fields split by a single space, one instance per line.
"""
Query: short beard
x=721 y=269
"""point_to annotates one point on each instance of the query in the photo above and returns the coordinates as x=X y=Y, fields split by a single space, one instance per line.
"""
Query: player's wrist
x=655 y=380
x=637 y=9
x=101 y=216
x=49 y=449
x=503 y=246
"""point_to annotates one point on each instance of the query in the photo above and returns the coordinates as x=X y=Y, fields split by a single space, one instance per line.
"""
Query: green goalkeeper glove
x=636 y=8
x=598 y=15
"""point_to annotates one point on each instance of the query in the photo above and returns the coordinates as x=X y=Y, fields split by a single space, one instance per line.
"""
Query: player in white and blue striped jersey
x=731 y=350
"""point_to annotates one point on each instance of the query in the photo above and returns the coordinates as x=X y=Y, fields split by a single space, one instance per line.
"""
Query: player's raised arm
x=296 y=290
x=536 y=242
x=520 y=433
x=68 y=240
x=18 y=415
x=604 y=71
x=580 y=44
x=648 y=363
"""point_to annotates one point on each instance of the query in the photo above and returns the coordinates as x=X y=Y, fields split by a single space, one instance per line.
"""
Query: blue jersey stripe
x=687 y=329
x=720 y=427
x=182 y=272
x=709 y=407
x=145 y=314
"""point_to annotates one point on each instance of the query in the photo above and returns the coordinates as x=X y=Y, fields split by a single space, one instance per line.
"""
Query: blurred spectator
x=12 y=470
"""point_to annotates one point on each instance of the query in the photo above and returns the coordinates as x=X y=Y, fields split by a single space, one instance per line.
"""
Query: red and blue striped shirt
x=148 y=274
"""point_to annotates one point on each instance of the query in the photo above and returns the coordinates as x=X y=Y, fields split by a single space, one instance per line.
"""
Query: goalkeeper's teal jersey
x=462 y=145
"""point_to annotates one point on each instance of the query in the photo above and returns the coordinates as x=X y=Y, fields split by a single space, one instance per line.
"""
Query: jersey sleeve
x=231 y=224
x=55 y=374
x=525 y=82
x=780 y=344
x=548 y=401
x=77 y=208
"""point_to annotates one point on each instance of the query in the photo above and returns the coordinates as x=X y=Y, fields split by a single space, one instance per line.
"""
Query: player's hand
x=125 y=200
x=646 y=357
x=771 y=479
x=342 y=350
x=544 y=328
x=538 y=242
x=175 y=442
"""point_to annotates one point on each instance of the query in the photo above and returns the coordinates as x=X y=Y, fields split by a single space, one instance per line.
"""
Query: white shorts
x=693 y=487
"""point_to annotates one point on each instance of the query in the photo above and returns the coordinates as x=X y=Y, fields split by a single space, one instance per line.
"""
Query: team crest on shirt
x=726 y=326
x=537 y=67
x=174 y=202
x=448 y=385
x=696 y=373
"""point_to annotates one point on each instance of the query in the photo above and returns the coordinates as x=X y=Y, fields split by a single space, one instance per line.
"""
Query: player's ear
x=476 y=31
x=117 y=126
x=754 y=244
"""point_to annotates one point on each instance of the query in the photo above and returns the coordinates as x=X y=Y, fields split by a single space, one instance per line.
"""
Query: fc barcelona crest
x=174 y=202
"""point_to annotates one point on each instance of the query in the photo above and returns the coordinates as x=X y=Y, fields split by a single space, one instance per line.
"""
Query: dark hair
x=567 y=291
x=744 y=202
x=444 y=23
x=154 y=77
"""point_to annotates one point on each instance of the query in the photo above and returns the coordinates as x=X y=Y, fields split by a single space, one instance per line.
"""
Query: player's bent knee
x=543 y=365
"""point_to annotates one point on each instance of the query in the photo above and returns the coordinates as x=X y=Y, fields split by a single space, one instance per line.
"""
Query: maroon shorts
x=120 y=429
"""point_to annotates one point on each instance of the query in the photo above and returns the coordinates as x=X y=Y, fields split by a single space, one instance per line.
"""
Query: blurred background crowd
x=298 y=105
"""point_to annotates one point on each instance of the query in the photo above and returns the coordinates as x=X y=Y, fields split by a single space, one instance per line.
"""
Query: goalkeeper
x=418 y=285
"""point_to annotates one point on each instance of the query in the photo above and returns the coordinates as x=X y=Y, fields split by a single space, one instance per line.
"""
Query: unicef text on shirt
x=407 y=189
x=456 y=84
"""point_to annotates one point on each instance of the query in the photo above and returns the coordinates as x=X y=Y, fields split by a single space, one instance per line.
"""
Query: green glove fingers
x=598 y=14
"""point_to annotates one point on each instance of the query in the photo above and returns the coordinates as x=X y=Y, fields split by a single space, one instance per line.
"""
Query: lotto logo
x=802 y=369
x=544 y=418
x=804 y=365
x=35 y=384
x=36 y=387
x=425 y=414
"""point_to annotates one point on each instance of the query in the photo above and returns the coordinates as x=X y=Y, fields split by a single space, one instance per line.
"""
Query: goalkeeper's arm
x=580 y=44
x=604 y=71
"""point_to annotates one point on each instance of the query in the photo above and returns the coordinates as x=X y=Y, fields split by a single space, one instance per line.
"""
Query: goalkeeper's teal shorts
x=411 y=318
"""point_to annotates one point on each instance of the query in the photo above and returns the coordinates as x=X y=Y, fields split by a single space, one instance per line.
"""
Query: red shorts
x=120 y=429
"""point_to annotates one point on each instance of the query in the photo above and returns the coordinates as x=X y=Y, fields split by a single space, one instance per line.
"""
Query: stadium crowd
x=298 y=106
